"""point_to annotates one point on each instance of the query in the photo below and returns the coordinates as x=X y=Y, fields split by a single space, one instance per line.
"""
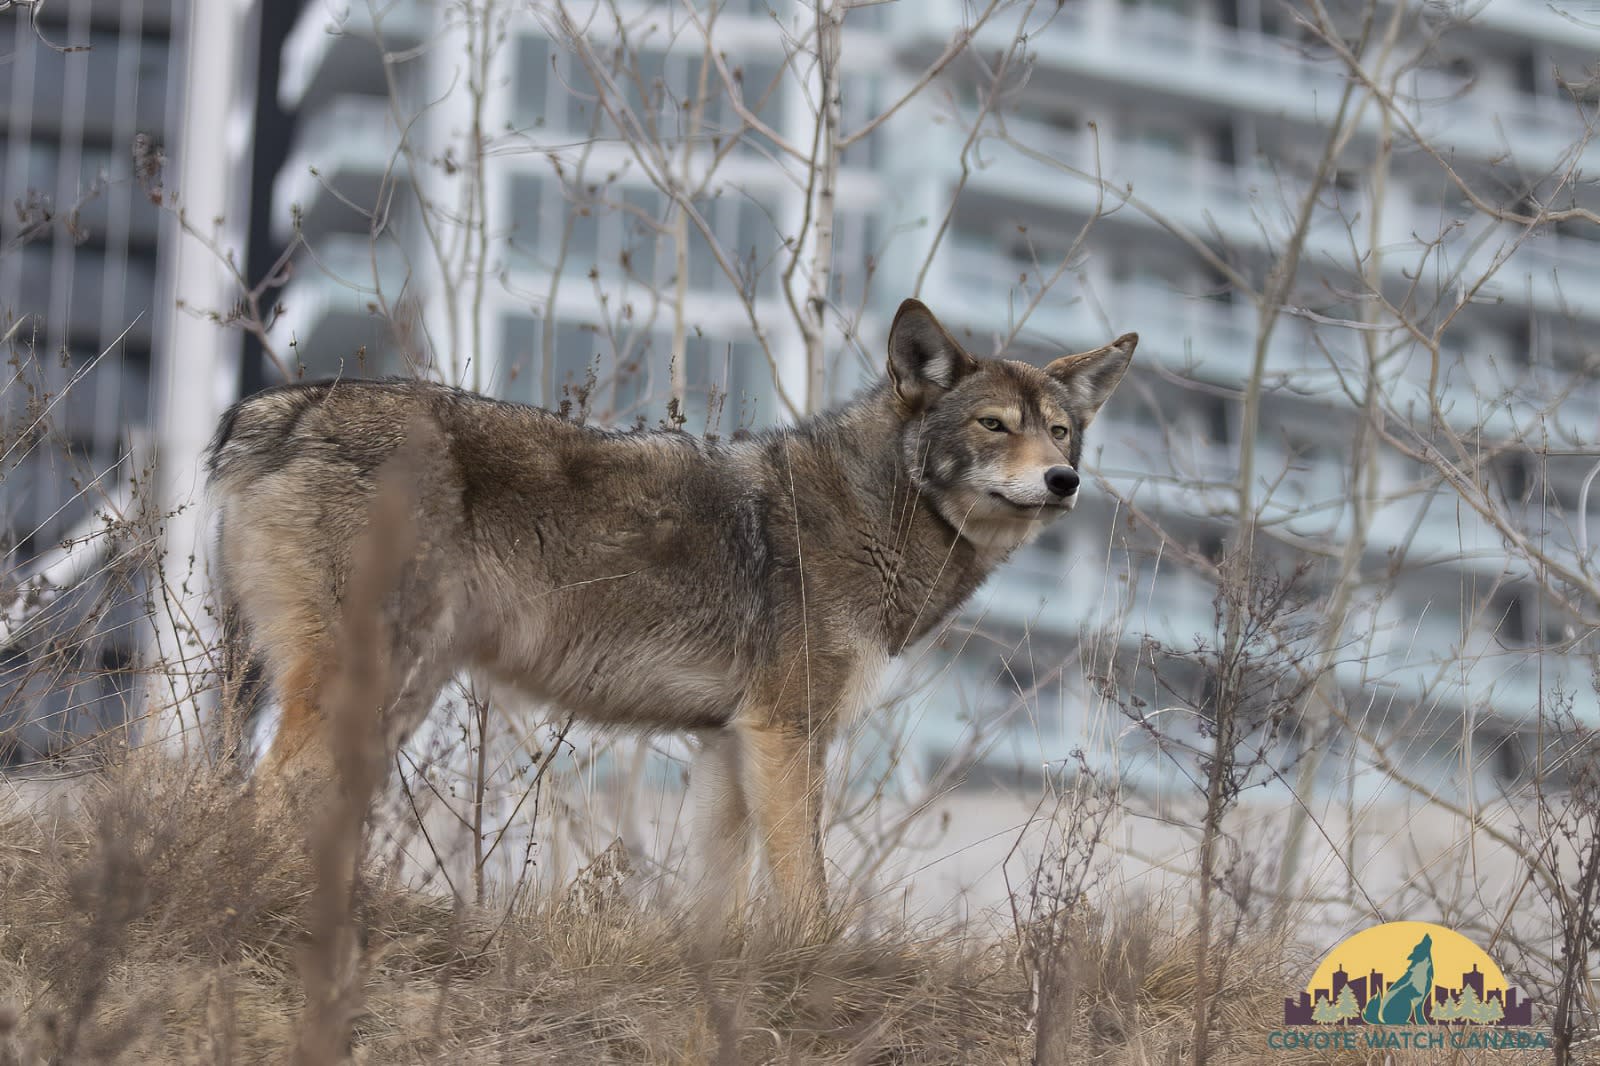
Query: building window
x=747 y=236
x=852 y=258
x=625 y=379
x=761 y=87
x=1462 y=69
x=519 y=359
x=747 y=403
x=1014 y=673
x=1315 y=471
x=1508 y=761
x=1169 y=7
x=1529 y=68
x=644 y=254
x=1518 y=619
x=584 y=374
x=532 y=80
x=658 y=88
x=1512 y=471
x=1585 y=89
x=1206 y=418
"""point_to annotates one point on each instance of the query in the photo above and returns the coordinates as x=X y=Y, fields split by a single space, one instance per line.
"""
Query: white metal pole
x=196 y=367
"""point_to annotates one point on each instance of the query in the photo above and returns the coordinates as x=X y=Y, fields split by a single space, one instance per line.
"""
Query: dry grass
x=164 y=918
x=161 y=916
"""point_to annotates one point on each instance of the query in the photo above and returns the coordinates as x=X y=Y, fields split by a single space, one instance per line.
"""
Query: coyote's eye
x=994 y=425
x=1058 y=432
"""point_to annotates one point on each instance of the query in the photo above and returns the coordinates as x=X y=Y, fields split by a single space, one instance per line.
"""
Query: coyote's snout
x=748 y=591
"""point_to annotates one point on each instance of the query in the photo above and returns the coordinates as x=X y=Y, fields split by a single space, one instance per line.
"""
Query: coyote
x=749 y=591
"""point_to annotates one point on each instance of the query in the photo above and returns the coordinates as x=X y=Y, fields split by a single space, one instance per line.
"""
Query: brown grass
x=161 y=916
x=165 y=918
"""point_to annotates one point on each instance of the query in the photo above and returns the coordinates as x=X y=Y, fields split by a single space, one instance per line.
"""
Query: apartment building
x=117 y=360
x=79 y=275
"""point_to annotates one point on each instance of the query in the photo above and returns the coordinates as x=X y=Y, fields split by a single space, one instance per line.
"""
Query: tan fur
x=748 y=591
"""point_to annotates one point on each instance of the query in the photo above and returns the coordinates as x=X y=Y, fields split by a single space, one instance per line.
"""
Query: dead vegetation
x=161 y=915
x=165 y=917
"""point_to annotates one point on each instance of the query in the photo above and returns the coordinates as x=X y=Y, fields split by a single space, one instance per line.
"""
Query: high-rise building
x=113 y=369
x=79 y=276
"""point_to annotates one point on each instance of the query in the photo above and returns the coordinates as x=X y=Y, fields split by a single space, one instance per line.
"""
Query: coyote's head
x=995 y=443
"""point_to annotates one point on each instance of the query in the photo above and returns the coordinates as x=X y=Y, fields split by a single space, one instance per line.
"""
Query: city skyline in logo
x=1412 y=955
x=1514 y=1009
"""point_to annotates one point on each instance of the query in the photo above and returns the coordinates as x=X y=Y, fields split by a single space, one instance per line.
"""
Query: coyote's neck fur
x=847 y=487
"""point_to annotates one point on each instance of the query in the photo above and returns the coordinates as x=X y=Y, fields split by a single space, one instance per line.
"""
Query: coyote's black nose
x=1061 y=480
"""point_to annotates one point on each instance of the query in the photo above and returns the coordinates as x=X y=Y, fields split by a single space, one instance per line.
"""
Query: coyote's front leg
x=782 y=770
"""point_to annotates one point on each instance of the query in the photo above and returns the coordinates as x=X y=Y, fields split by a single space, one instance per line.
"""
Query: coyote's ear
x=924 y=360
x=1093 y=376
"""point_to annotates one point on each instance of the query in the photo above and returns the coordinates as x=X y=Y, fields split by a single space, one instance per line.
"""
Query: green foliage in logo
x=1344 y=1009
x=1467 y=1007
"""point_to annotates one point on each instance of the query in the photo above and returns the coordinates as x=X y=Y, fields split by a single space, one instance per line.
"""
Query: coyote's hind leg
x=298 y=746
x=415 y=669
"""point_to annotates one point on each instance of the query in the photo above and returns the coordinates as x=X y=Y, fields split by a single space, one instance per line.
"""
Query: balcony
x=350 y=145
x=1532 y=399
x=1047 y=592
x=1567 y=25
x=1215 y=341
x=331 y=53
x=1250 y=206
x=1197 y=59
x=330 y=308
x=1223 y=69
x=1192 y=191
x=1546 y=253
x=1215 y=337
x=1427 y=677
x=1416 y=663
x=1253 y=207
x=1486 y=121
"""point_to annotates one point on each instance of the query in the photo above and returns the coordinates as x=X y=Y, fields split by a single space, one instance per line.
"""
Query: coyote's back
x=617 y=574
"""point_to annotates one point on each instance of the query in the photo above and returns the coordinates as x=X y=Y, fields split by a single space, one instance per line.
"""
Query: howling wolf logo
x=1409 y=1001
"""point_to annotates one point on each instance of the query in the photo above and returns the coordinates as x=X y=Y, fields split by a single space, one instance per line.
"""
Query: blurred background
x=1357 y=241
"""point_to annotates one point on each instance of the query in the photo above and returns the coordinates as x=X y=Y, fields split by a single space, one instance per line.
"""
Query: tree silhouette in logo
x=1329 y=1012
x=1467 y=1007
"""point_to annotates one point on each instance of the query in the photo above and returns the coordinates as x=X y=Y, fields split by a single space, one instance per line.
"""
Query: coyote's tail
x=254 y=437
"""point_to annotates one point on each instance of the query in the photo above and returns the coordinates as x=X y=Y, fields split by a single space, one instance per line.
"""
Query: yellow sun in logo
x=1386 y=948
